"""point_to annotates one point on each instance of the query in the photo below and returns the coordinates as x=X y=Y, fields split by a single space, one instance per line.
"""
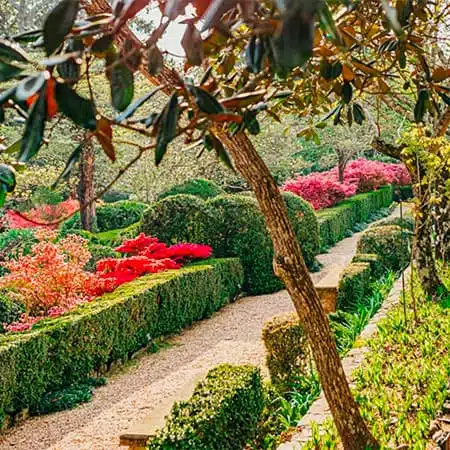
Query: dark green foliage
x=305 y=224
x=65 y=350
x=287 y=352
x=10 y=311
x=222 y=414
x=390 y=243
x=111 y=216
x=376 y=268
x=335 y=223
x=407 y=223
x=115 y=196
x=403 y=193
x=179 y=218
x=69 y=397
x=201 y=188
x=239 y=230
x=99 y=252
x=15 y=243
x=45 y=196
x=353 y=286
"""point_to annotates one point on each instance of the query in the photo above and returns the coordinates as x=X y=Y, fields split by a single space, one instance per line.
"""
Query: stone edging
x=319 y=411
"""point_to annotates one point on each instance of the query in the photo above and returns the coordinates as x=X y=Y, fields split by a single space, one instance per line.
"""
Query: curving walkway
x=233 y=335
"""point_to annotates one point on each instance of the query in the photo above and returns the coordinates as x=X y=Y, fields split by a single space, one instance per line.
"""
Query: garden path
x=233 y=335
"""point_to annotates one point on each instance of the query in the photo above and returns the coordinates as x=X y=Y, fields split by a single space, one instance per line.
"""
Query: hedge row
x=234 y=226
x=335 y=223
x=199 y=187
x=111 y=216
x=353 y=286
x=67 y=349
x=222 y=414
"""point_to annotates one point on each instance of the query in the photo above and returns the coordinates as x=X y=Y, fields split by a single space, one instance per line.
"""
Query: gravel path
x=232 y=335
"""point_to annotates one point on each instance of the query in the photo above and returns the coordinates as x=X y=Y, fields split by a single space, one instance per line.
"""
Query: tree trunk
x=290 y=267
x=86 y=192
x=341 y=169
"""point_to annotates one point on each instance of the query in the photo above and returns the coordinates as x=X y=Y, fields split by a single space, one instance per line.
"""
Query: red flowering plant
x=51 y=279
x=146 y=255
x=43 y=216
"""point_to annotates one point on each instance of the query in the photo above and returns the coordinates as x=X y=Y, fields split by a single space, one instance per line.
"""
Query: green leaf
x=2 y=114
x=168 y=128
x=358 y=113
x=3 y=192
x=34 y=129
x=58 y=24
x=251 y=123
x=420 y=108
x=445 y=98
x=8 y=71
x=221 y=152
x=347 y=92
x=70 y=69
x=122 y=87
x=8 y=177
x=205 y=101
x=12 y=52
x=137 y=104
x=102 y=44
x=80 y=110
x=30 y=86
x=28 y=36
x=328 y=25
x=13 y=148
x=73 y=158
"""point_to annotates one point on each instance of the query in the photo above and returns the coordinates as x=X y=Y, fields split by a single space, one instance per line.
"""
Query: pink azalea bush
x=323 y=189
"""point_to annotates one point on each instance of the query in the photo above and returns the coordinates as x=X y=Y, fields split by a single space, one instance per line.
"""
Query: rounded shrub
x=199 y=187
x=390 y=243
x=407 y=223
x=111 y=216
x=306 y=226
x=179 y=218
x=115 y=196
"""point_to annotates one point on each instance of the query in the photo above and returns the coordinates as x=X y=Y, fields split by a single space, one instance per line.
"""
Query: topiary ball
x=179 y=218
x=199 y=187
x=390 y=243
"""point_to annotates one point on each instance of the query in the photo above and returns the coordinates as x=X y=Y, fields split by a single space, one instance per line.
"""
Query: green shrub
x=222 y=414
x=287 y=352
x=15 y=243
x=99 y=252
x=305 y=224
x=179 y=218
x=46 y=196
x=407 y=223
x=336 y=223
x=111 y=216
x=200 y=188
x=376 y=268
x=10 y=311
x=115 y=196
x=64 y=350
x=353 y=286
x=403 y=193
x=390 y=243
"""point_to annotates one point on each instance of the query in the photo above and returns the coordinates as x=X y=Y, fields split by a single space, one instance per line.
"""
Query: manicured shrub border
x=67 y=349
x=336 y=223
x=222 y=414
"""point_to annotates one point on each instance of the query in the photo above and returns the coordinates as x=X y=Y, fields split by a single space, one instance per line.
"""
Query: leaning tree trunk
x=86 y=191
x=290 y=267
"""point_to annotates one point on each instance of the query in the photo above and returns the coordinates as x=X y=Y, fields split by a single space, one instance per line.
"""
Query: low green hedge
x=376 y=267
x=67 y=349
x=179 y=218
x=403 y=193
x=406 y=223
x=353 y=286
x=199 y=187
x=222 y=414
x=110 y=216
x=335 y=223
x=390 y=243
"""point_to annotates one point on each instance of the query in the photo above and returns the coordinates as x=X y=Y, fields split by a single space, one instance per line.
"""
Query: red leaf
x=104 y=135
x=226 y=117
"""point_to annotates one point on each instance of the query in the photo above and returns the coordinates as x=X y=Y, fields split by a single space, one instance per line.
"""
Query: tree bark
x=342 y=163
x=290 y=267
x=86 y=191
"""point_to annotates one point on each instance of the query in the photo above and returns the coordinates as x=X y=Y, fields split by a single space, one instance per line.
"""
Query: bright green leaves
x=80 y=110
x=7 y=182
x=205 y=101
x=58 y=24
x=167 y=128
x=34 y=128
x=421 y=105
x=122 y=87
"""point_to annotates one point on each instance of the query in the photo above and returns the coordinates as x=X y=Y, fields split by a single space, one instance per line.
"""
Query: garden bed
x=67 y=349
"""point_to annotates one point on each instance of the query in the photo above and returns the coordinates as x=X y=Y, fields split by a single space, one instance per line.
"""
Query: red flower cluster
x=148 y=255
x=323 y=190
x=39 y=217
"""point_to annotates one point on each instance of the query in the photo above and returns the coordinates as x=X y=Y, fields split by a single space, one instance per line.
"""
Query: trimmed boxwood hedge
x=199 y=187
x=110 y=216
x=64 y=350
x=222 y=414
x=335 y=223
x=353 y=285
x=376 y=267
x=179 y=218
